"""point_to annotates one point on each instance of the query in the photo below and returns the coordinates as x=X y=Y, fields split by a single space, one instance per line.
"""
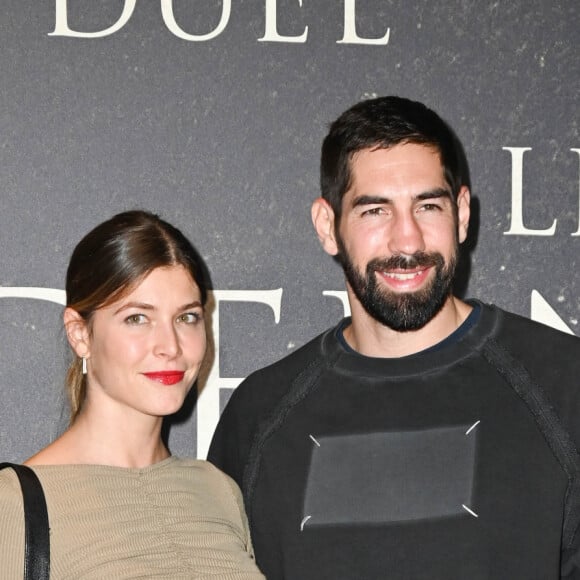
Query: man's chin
x=410 y=324
x=405 y=312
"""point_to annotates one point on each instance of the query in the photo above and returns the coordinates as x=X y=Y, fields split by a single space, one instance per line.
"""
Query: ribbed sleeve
x=11 y=526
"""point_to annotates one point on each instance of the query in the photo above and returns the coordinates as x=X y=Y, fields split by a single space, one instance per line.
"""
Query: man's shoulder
x=551 y=359
x=525 y=334
x=295 y=361
x=255 y=400
x=263 y=389
x=272 y=381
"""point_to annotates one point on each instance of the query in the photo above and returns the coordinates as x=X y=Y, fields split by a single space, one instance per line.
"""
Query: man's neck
x=369 y=337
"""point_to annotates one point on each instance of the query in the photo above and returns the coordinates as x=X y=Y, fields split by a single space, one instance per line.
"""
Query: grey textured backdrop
x=221 y=136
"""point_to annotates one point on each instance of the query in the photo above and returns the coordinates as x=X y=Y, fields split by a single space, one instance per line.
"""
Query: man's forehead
x=400 y=153
x=414 y=167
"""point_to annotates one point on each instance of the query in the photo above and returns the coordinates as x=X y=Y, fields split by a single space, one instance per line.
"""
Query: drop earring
x=84 y=366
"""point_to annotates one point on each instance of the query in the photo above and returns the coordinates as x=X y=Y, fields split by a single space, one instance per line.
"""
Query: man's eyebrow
x=436 y=193
x=370 y=200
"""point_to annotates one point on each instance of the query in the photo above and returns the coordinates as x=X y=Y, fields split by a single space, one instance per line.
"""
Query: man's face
x=399 y=234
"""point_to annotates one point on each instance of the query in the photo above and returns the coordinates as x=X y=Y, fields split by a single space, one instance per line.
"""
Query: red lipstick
x=166 y=377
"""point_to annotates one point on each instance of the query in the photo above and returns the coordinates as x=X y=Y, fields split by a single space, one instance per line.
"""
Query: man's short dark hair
x=382 y=123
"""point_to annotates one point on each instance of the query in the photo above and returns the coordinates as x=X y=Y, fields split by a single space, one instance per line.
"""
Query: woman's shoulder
x=11 y=504
x=203 y=470
x=206 y=476
x=201 y=466
x=9 y=487
x=11 y=525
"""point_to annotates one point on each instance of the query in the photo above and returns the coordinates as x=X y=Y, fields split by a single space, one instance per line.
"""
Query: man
x=425 y=436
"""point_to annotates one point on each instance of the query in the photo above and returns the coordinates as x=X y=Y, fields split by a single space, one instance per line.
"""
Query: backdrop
x=212 y=113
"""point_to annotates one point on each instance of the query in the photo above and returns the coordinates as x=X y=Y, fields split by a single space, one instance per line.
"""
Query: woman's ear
x=77 y=332
x=323 y=221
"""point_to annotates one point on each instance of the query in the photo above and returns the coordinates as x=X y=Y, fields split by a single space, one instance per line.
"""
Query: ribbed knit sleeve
x=11 y=526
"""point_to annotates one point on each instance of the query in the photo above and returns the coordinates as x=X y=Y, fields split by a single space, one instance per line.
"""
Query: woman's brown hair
x=109 y=261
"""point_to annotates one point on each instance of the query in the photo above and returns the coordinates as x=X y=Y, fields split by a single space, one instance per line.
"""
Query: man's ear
x=77 y=332
x=323 y=221
x=463 y=212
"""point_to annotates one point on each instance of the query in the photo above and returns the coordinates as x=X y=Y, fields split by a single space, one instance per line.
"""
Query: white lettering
x=271 y=29
x=271 y=34
x=517 y=227
x=169 y=19
x=350 y=35
x=542 y=312
x=208 y=403
x=48 y=294
x=341 y=295
x=61 y=27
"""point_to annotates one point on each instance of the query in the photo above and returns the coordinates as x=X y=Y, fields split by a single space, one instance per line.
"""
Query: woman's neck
x=104 y=440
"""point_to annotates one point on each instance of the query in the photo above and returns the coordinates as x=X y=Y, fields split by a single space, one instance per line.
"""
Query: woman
x=119 y=505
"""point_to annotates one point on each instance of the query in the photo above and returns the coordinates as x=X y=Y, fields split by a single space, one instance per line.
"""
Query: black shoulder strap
x=36 y=531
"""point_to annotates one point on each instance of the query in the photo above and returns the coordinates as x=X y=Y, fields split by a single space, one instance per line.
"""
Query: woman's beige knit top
x=178 y=519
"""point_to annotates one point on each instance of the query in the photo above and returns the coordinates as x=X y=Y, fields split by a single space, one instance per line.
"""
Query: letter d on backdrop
x=61 y=27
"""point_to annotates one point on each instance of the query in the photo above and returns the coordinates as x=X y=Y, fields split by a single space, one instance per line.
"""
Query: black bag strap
x=36 y=531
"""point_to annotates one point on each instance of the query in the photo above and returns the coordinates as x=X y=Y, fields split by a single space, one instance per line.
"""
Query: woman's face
x=145 y=350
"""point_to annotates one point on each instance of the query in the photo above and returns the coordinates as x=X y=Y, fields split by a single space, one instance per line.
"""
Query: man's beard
x=401 y=311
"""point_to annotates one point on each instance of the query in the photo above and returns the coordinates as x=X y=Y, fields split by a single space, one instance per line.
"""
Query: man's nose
x=406 y=235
